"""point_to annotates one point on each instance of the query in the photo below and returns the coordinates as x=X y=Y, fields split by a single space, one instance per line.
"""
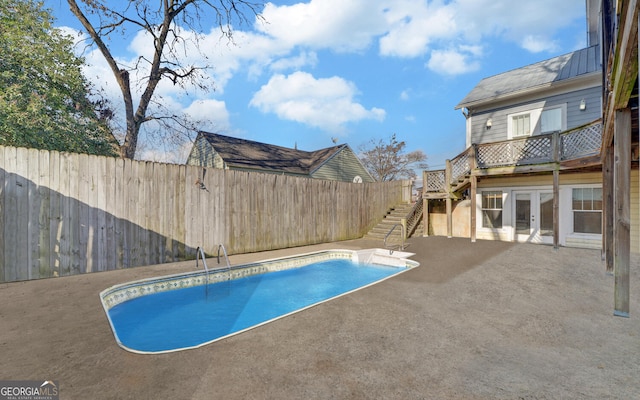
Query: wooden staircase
x=393 y=217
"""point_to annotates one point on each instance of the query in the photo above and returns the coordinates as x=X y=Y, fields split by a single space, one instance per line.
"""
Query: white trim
x=565 y=228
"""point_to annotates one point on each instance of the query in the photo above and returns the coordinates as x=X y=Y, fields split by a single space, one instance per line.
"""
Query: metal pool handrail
x=224 y=251
x=402 y=237
x=200 y=253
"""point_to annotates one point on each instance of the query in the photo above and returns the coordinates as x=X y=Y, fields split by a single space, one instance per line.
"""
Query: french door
x=533 y=216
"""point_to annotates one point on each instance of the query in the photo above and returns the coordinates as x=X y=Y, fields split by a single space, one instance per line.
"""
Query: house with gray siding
x=532 y=170
x=338 y=163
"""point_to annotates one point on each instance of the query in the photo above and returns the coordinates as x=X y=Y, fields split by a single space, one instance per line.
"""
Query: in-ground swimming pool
x=181 y=311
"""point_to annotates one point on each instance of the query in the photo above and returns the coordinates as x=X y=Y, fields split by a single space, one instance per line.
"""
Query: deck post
x=449 y=205
x=607 y=207
x=556 y=208
x=555 y=155
x=622 y=242
x=474 y=191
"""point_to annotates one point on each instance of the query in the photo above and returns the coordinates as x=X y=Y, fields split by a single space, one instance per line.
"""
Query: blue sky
x=353 y=70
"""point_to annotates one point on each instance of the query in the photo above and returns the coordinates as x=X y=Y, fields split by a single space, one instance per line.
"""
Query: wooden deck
x=560 y=151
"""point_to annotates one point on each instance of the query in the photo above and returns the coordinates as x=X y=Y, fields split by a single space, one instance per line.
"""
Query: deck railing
x=584 y=141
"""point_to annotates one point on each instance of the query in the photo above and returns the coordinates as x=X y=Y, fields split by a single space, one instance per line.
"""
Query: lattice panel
x=494 y=155
x=435 y=181
x=532 y=150
x=516 y=152
x=581 y=143
x=460 y=167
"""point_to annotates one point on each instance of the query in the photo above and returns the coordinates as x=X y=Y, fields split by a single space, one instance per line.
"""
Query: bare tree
x=388 y=161
x=166 y=23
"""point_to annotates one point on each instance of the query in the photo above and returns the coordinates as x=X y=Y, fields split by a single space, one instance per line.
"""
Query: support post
x=607 y=208
x=447 y=185
x=556 y=208
x=622 y=241
x=474 y=191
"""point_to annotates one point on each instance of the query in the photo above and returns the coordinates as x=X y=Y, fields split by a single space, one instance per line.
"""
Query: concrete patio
x=485 y=320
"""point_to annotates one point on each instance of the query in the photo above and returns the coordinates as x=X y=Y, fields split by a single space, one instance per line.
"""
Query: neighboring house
x=532 y=170
x=337 y=163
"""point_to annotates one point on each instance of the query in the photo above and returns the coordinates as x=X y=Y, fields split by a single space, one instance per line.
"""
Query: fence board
x=43 y=267
x=11 y=215
x=109 y=193
x=22 y=198
x=67 y=205
x=33 y=207
x=55 y=213
x=85 y=263
x=3 y=207
x=100 y=211
x=119 y=212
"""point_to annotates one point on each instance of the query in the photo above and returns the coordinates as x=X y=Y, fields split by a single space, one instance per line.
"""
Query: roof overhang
x=585 y=81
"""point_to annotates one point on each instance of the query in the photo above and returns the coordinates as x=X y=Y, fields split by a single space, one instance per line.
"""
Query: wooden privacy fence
x=64 y=214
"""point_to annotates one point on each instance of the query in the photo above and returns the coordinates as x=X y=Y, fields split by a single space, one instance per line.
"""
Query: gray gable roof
x=242 y=153
x=542 y=74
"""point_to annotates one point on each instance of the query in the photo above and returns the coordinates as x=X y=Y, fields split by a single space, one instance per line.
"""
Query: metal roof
x=542 y=74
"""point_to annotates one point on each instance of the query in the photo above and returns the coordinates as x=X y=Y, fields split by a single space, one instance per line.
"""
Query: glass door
x=533 y=216
x=523 y=217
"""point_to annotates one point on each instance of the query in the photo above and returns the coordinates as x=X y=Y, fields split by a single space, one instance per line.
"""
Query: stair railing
x=413 y=217
x=402 y=237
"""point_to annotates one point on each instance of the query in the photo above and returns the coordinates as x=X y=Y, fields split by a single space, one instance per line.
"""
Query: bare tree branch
x=164 y=21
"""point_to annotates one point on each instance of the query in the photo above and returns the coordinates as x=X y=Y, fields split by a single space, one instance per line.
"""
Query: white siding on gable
x=203 y=155
x=500 y=117
x=344 y=166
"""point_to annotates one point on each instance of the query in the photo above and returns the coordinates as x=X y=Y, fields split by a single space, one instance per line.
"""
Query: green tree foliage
x=387 y=161
x=43 y=95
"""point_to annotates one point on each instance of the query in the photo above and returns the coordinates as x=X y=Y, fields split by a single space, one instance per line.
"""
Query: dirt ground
x=485 y=320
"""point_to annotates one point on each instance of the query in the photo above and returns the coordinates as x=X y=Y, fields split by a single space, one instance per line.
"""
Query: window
x=551 y=120
x=521 y=125
x=492 y=210
x=587 y=210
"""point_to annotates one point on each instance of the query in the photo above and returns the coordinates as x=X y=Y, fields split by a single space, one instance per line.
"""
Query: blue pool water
x=190 y=317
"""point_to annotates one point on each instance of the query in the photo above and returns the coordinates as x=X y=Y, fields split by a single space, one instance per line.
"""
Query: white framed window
x=551 y=120
x=521 y=125
x=587 y=210
x=492 y=209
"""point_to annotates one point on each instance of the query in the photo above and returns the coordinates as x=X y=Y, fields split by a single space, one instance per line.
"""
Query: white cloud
x=213 y=114
x=326 y=103
x=537 y=44
x=339 y=25
x=297 y=62
x=451 y=62
x=514 y=21
x=413 y=25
